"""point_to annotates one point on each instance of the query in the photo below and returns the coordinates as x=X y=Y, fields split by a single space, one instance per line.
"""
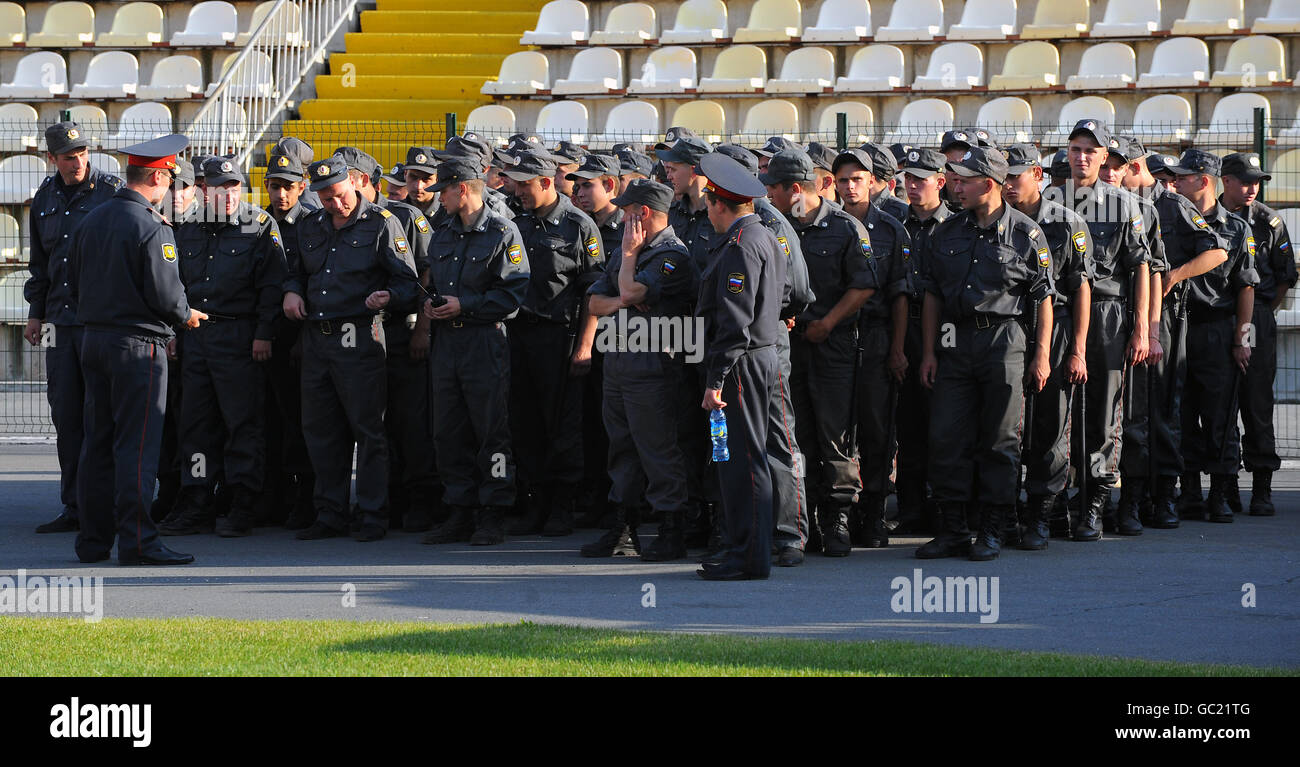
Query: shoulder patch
x=785 y=246
x=515 y=253
x=1198 y=221
x=1250 y=245
x=1136 y=221
x=668 y=267
x=262 y=218
x=907 y=253
x=422 y=224
x=168 y=252
x=384 y=212
x=735 y=282
x=399 y=242
x=865 y=244
x=593 y=247
x=275 y=237
x=1080 y=241
x=1044 y=258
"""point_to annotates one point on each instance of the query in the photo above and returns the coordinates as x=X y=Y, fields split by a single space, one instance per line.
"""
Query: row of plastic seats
x=567 y=22
x=21 y=128
x=116 y=74
x=21 y=175
x=213 y=22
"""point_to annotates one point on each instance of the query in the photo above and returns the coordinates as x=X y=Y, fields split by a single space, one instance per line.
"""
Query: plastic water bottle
x=718 y=432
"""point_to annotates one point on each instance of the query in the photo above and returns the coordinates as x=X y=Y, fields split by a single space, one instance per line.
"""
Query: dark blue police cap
x=729 y=180
x=647 y=192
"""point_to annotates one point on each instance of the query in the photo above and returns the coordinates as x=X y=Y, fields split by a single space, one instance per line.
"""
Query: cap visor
x=919 y=172
x=285 y=175
x=962 y=170
x=442 y=184
x=223 y=178
x=1179 y=170
x=1016 y=170
x=583 y=174
x=519 y=175
x=672 y=155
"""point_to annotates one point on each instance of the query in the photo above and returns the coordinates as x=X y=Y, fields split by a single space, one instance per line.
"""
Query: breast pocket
x=560 y=255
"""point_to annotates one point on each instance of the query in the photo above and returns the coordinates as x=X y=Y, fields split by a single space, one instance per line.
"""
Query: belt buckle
x=982 y=322
x=325 y=327
x=457 y=324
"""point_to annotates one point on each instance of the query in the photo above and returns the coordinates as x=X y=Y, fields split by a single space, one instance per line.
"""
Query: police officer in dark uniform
x=773 y=146
x=421 y=170
x=988 y=269
x=129 y=295
x=354 y=262
x=740 y=301
x=631 y=166
x=1275 y=263
x=58 y=206
x=681 y=152
x=883 y=171
x=300 y=152
x=473 y=147
x=478 y=278
x=569 y=157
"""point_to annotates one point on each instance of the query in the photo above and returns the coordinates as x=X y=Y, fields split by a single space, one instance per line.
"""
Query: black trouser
x=1258 y=448
x=693 y=436
x=913 y=428
x=223 y=390
x=408 y=422
x=1211 y=442
x=789 y=499
x=645 y=460
x=1152 y=409
x=65 y=390
x=285 y=375
x=745 y=481
x=595 y=440
x=821 y=382
x=545 y=405
x=876 y=406
x=344 y=391
x=1047 y=463
x=976 y=415
x=471 y=428
x=1108 y=333
x=126 y=390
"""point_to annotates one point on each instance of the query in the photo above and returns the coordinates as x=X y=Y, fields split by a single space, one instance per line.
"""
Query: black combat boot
x=717 y=534
x=699 y=527
x=243 y=512
x=668 y=545
x=1058 y=520
x=1232 y=494
x=194 y=513
x=560 y=520
x=1164 y=515
x=1037 y=528
x=1261 y=494
x=988 y=541
x=1088 y=527
x=1190 y=503
x=169 y=490
x=954 y=540
x=489 y=526
x=537 y=508
x=303 y=513
x=1216 y=504
x=1127 y=521
x=620 y=540
x=835 y=533
x=457 y=529
x=875 y=531
x=1010 y=535
x=419 y=514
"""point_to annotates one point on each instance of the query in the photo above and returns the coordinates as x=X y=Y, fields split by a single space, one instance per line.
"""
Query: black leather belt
x=1200 y=314
x=330 y=327
x=983 y=321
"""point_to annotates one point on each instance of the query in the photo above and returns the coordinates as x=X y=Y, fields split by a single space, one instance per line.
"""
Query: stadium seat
x=20 y=176
x=1210 y=17
x=634 y=121
x=252 y=79
x=212 y=22
x=1035 y=64
x=772 y=21
x=805 y=70
x=561 y=22
x=667 y=70
x=175 y=77
x=860 y=118
x=1009 y=119
x=921 y=123
x=19 y=127
x=706 y=118
x=1129 y=18
x=139 y=24
x=594 y=70
x=111 y=75
x=698 y=21
x=1252 y=61
x=40 y=75
x=13 y=25
x=1290 y=216
x=1104 y=65
x=1163 y=119
x=222 y=129
x=93 y=122
x=522 y=74
x=1056 y=19
x=774 y=117
x=11 y=239
x=739 y=69
x=842 y=21
x=873 y=68
x=953 y=66
x=105 y=163
x=140 y=122
x=67 y=24
x=1233 y=123
x=491 y=119
x=1285 y=186
x=285 y=27
x=1180 y=62
x=1082 y=108
x=563 y=121
x=628 y=24
x=985 y=20
x=913 y=20
x=1283 y=16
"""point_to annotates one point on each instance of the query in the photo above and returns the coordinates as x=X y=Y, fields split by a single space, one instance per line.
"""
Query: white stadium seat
x=1129 y=18
x=141 y=122
x=563 y=121
x=66 y=25
x=1233 y=121
x=522 y=74
x=922 y=123
x=772 y=21
x=138 y=24
x=706 y=118
x=1179 y=62
x=594 y=70
x=1057 y=18
x=1210 y=17
x=212 y=22
x=1035 y=64
x=1082 y=108
x=860 y=118
x=175 y=77
x=1290 y=217
x=224 y=127
x=252 y=78
x=285 y=27
x=1105 y=65
x=19 y=127
x=667 y=70
x=985 y=20
x=105 y=163
x=1252 y=61
x=1163 y=119
x=13 y=25
x=842 y=21
x=698 y=21
x=738 y=69
x=634 y=121
x=873 y=68
x=1285 y=137
x=913 y=20
x=491 y=119
x=628 y=24
x=93 y=122
x=1283 y=16
x=111 y=74
x=20 y=176
x=1009 y=119
x=769 y=118
x=561 y=22
x=1285 y=186
x=953 y=66
x=11 y=240
x=40 y=75
x=805 y=70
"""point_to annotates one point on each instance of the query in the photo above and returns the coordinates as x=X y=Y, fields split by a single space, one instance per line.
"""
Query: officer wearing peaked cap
x=631 y=166
x=58 y=206
x=471 y=147
x=420 y=170
x=125 y=279
x=301 y=154
x=883 y=171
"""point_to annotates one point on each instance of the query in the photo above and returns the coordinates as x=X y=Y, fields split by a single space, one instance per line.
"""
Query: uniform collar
x=557 y=211
x=746 y=220
x=479 y=224
x=614 y=221
x=661 y=237
x=1000 y=224
x=941 y=214
x=1217 y=215
x=1247 y=211
x=824 y=212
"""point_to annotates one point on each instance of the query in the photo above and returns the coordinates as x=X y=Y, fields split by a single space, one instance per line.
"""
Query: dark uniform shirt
x=1004 y=270
x=289 y=230
x=740 y=296
x=1217 y=289
x=235 y=267
x=1070 y=243
x=798 y=294
x=611 y=233
x=919 y=231
x=1274 y=261
x=124 y=273
x=338 y=268
x=693 y=229
x=1183 y=231
x=564 y=257
x=485 y=266
x=839 y=256
x=1153 y=231
x=891 y=249
x=1118 y=235
x=56 y=211
x=666 y=269
x=398 y=326
x=888 y=203
x=496 y=201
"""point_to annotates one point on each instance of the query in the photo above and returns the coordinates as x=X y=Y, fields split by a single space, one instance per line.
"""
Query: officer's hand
x=1076 y=369
x=33 y=331
x=195 y=316
x=789 y=323
x=633 y=237
x=1155 y=352
x=378 y=299
x=419 y=348
x=1138 y=348
x=929 y=368
x=712 y=400
x=293 y=306
x=1039 y=370
x=816 y=331
x=447 y=311
x=1242 y=355
x=897 y=364
x=428 y=308
x=261 y=350
x=580 y=364
x=172 y=348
